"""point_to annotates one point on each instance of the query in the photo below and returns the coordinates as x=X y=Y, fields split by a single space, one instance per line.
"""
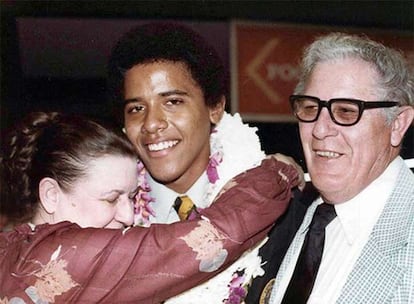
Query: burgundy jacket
x=64 y=263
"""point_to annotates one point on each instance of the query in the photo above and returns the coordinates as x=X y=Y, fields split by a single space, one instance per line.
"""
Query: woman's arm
x=65 y=263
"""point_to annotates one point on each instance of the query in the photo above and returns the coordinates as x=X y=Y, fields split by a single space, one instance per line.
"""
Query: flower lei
x=142 y=207
x=236 y=291
x=235 y=147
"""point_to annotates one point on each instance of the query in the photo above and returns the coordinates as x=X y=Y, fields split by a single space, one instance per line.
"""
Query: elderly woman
x=65 y=178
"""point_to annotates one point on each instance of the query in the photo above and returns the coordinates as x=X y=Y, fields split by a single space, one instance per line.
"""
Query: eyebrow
x=113 y=191
x=120 y=192
x=162 y=94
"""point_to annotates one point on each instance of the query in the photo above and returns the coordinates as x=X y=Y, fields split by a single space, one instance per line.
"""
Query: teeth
x=328 y=154
x=162 y=145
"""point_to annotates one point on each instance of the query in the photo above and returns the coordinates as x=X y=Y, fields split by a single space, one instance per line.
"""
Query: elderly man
x=354 y=103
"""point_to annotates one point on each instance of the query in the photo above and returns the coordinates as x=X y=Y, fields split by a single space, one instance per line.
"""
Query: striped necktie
x=185 y=208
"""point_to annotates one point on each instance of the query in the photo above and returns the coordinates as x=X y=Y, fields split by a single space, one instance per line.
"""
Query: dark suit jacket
x=280 y=237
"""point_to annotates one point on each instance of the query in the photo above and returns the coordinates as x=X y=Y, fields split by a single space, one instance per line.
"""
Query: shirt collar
x=359 y=214
x=165 y=197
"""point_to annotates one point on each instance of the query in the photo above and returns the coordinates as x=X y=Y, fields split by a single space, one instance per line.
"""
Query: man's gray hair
x=396 y=78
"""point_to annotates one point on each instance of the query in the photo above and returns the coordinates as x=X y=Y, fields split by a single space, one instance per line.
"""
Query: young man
x=171 y=86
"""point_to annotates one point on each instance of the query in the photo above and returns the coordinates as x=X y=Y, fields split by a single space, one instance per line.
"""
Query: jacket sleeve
x=64 y=263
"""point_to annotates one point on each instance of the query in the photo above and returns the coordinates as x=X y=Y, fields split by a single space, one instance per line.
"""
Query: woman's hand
x=290 y=161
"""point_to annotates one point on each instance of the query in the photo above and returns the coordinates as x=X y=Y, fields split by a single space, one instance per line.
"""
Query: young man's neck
x=185 y=182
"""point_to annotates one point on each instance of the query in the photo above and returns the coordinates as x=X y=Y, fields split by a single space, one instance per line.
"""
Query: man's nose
x=324 y=125
x=155 y=121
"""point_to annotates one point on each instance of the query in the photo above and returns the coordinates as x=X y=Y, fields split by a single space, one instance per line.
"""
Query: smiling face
x=343 y=160
x=168 y=122
x=103 y=198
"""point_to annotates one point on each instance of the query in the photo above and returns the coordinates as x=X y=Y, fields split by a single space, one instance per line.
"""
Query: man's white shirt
x=346 y=235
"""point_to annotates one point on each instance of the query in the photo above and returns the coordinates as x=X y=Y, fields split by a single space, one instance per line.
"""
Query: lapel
x=275 y=248
x=295 y=246
x=376 y=274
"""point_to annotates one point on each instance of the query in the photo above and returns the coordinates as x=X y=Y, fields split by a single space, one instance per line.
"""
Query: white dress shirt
x=346 y=235
x=165 y=198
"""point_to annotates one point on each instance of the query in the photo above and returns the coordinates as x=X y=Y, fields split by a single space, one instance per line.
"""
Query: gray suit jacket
x=384 y=272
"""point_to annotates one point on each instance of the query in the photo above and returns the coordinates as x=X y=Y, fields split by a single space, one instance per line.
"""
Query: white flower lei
x=239 y=147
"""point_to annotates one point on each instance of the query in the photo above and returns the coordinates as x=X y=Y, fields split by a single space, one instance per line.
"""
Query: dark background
x=44 y=68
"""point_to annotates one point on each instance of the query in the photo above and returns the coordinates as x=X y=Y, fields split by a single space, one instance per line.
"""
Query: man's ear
x=49 y=191
x=401 y=124
x=216 y=112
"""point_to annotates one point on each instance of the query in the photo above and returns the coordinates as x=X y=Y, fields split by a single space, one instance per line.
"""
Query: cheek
x=132 y=128
x=368 y=140
x=193 y=125
x=305 y=134
x=106 y=215
x=130 y=122
x=201 y=132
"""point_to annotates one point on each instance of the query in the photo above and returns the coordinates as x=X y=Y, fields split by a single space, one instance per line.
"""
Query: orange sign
x=265 y=61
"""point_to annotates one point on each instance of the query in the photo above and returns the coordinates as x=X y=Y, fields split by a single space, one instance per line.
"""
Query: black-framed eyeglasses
x=343 y=111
